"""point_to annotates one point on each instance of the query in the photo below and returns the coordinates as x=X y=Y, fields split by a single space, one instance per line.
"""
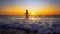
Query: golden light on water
x=32 y=18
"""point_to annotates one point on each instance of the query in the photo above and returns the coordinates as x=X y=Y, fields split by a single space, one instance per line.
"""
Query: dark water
x=33 y=25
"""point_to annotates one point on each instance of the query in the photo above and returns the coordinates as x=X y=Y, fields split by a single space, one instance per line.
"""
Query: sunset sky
x=35 y=7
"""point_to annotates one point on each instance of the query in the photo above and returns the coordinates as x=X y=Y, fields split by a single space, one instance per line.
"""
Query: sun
x=32 y=13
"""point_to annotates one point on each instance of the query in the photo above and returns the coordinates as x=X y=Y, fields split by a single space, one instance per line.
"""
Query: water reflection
x=32 y=18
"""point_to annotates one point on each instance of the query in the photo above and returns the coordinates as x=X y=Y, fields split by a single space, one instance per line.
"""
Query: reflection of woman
x=27 y=14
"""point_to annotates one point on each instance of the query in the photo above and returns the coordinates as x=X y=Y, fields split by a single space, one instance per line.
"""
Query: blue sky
x=29 y=2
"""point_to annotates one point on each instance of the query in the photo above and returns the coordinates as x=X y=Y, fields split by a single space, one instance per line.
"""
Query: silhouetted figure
x=27 y=14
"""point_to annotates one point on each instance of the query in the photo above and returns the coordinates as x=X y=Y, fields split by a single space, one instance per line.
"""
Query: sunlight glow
x=32 y=13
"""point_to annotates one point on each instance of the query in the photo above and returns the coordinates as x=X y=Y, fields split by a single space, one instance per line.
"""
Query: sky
x=35 y=7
